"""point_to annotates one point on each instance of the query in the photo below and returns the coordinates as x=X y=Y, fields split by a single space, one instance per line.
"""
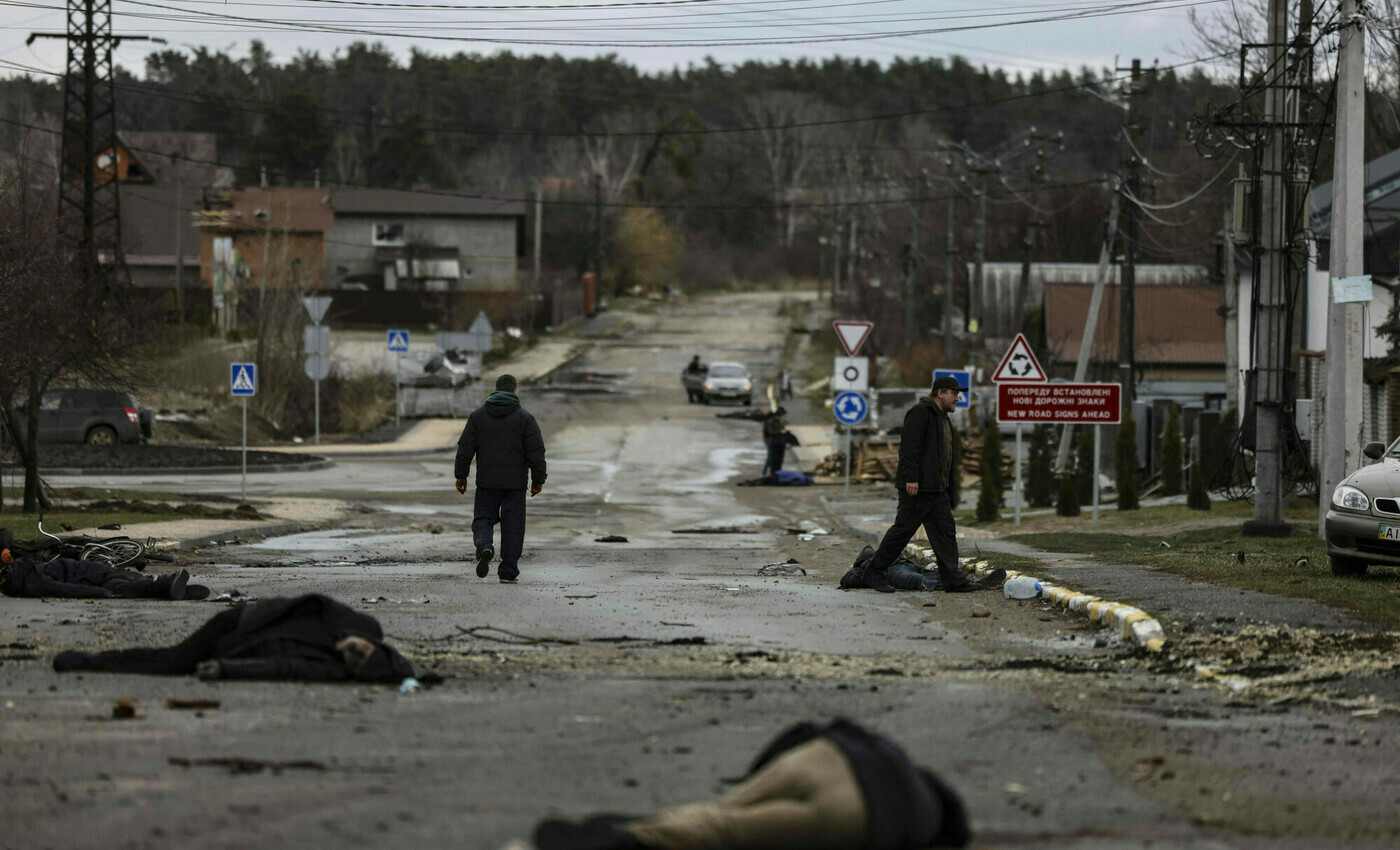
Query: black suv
x=96 y=417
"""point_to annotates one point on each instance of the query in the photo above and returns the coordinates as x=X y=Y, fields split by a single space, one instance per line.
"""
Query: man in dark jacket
x=924 y=480
x=775 y=440
x=307 y=638
x=507 y=444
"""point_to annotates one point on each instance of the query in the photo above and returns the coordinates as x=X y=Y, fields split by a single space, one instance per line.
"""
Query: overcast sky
x=655 y=35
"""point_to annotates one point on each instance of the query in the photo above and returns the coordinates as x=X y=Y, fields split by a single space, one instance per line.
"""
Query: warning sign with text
x=1059 y=404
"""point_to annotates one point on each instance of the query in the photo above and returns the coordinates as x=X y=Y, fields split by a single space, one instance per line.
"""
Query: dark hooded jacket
x=295 y=638
x=506 y=442
x=63 y=577
x=921 y=448
x=908 y=808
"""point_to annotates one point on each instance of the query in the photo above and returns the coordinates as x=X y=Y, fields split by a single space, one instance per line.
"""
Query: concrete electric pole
x=1345 y=333
x=1270 y=318
x=1127 y=288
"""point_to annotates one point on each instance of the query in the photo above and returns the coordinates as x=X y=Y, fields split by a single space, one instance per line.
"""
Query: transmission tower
x=89 y=207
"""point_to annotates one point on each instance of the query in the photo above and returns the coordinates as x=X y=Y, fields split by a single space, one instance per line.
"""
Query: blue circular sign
x=850 y=408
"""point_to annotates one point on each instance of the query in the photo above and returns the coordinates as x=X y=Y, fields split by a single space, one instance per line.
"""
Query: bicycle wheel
x=118 y=552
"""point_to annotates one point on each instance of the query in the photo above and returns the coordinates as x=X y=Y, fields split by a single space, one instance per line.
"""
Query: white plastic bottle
x=1022 y=587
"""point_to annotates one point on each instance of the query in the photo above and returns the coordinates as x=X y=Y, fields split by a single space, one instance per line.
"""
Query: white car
x=728 y=381
x=1363 y=525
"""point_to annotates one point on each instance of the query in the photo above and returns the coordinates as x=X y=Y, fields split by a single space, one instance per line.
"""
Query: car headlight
x=748 y=388
x=1350 y=498
x=709 y=386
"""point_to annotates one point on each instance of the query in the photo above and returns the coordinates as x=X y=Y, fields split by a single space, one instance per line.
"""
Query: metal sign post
x=850 y=409
x=242 y=383
x=398 y=344
x=1018 y=475
x=1096 y=472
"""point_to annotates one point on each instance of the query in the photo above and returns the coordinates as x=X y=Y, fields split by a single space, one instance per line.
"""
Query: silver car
x=728 y=380
x=1363 y=523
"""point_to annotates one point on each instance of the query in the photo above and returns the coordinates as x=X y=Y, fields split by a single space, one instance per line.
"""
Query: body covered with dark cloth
x=73 y=579
x=505 y=441
x=283 y=638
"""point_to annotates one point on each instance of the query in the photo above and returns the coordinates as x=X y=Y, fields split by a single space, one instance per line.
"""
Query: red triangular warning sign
x=852 y=334
x=1019 y=365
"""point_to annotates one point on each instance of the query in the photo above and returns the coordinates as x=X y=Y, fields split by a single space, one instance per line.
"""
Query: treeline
x=745 y=167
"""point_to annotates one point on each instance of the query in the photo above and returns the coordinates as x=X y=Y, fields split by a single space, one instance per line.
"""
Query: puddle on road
x=587 y=382
x=413 y=510
x=724 y=464
x=334 y=539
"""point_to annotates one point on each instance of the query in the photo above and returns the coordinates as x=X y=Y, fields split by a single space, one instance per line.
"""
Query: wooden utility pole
x=1034 y=225
x=1270 y=317
x=1127 y=287
x=1345 y=330
x=1231 y=316
x=598 y=228
x=949 y=250
x=181 y=217
x=976 y=298
x=912 y=259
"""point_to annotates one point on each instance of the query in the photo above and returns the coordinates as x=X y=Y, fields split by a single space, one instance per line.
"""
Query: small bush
x=1068 y=502
x=1171 y=453
x=990 y=499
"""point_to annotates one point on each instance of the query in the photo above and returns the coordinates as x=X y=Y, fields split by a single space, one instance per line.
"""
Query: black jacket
x=64 y=577
x=506 y=442
x=909 y=808
x=920 y=449
x=295 y=638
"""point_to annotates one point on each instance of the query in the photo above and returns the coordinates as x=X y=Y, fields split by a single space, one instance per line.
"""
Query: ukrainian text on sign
x=1090 y=404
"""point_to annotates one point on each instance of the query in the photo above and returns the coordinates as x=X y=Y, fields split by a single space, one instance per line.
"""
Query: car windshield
x=726 y=372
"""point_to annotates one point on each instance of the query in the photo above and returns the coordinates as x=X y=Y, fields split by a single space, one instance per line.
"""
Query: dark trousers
x=506 y=507
x=777 y=448
x=935 y=513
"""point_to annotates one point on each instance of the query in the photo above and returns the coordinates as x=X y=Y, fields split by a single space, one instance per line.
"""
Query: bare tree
x=70 y=328
x=788 y=150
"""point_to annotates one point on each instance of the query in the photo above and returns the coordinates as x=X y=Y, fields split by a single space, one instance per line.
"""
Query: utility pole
x=598 y=228
x=1127 y=288
x=949 y=249
x=979 y=249
x=913 y=258
x=89 y=206
x=1033 y=226
x=539 y=231
x=1275 y=239
x=1231 y=315
x=1345 y=332
x=180 y=219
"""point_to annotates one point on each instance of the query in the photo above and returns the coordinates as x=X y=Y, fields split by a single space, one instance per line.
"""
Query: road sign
x=850 y=408
x=851 y=373
x=852 y=334
x=964 y=379
x=315 y=339
x=476 y=338
x=243 y=379
x=398 y=340
x=317 y=367
x=1019 y=365
x=316 y=307
x=1059 y=404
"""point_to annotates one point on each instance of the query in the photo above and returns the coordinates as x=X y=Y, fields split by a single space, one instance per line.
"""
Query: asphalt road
x=629 y=676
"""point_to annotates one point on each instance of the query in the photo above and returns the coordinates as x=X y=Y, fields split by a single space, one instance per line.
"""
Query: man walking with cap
x=507 y=444
x=924 y=481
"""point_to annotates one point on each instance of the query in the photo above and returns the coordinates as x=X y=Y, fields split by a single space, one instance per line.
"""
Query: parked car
x=96 y=417
x=728 y=380
x=1363 y=524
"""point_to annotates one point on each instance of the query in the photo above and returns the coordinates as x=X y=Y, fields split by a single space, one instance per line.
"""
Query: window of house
x=387 y=233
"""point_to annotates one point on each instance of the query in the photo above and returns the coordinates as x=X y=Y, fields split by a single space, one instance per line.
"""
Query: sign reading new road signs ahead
x=398 y=340
x=851 y=373
x=1019 y=365
x=852 y=334
x=1059 y=404
x=964 y=379
x=243 y=379
x=850 y=408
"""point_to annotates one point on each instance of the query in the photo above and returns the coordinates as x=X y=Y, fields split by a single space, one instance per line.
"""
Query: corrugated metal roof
x=1148 y=274
x=399 y=202
x=297 y=210
x=190 y=157
x=1173 y=324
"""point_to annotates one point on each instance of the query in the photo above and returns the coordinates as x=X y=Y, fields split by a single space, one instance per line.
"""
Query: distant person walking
x=507 y=444
x=775 y=439
x=924 y=479
x=785 y=385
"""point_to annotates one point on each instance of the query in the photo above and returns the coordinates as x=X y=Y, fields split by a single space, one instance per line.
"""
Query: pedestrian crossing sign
x=243 y=379
x=398 y=340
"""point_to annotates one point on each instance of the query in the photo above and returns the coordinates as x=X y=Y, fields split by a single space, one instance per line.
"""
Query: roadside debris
x=238 y=764
x=783 y=568
x=429 y=527
x=409 y=686
x=612 y=538
x=718 y=529
x=384 y=600
x=192 y=704
x=125 y=709
x=235 y=597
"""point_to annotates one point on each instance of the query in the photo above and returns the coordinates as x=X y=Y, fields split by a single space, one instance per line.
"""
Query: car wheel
x=101 y=435
x=1347 y=567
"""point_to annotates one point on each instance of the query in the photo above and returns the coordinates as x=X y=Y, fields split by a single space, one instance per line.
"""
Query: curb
x=309 y=466
x=1133 y=623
